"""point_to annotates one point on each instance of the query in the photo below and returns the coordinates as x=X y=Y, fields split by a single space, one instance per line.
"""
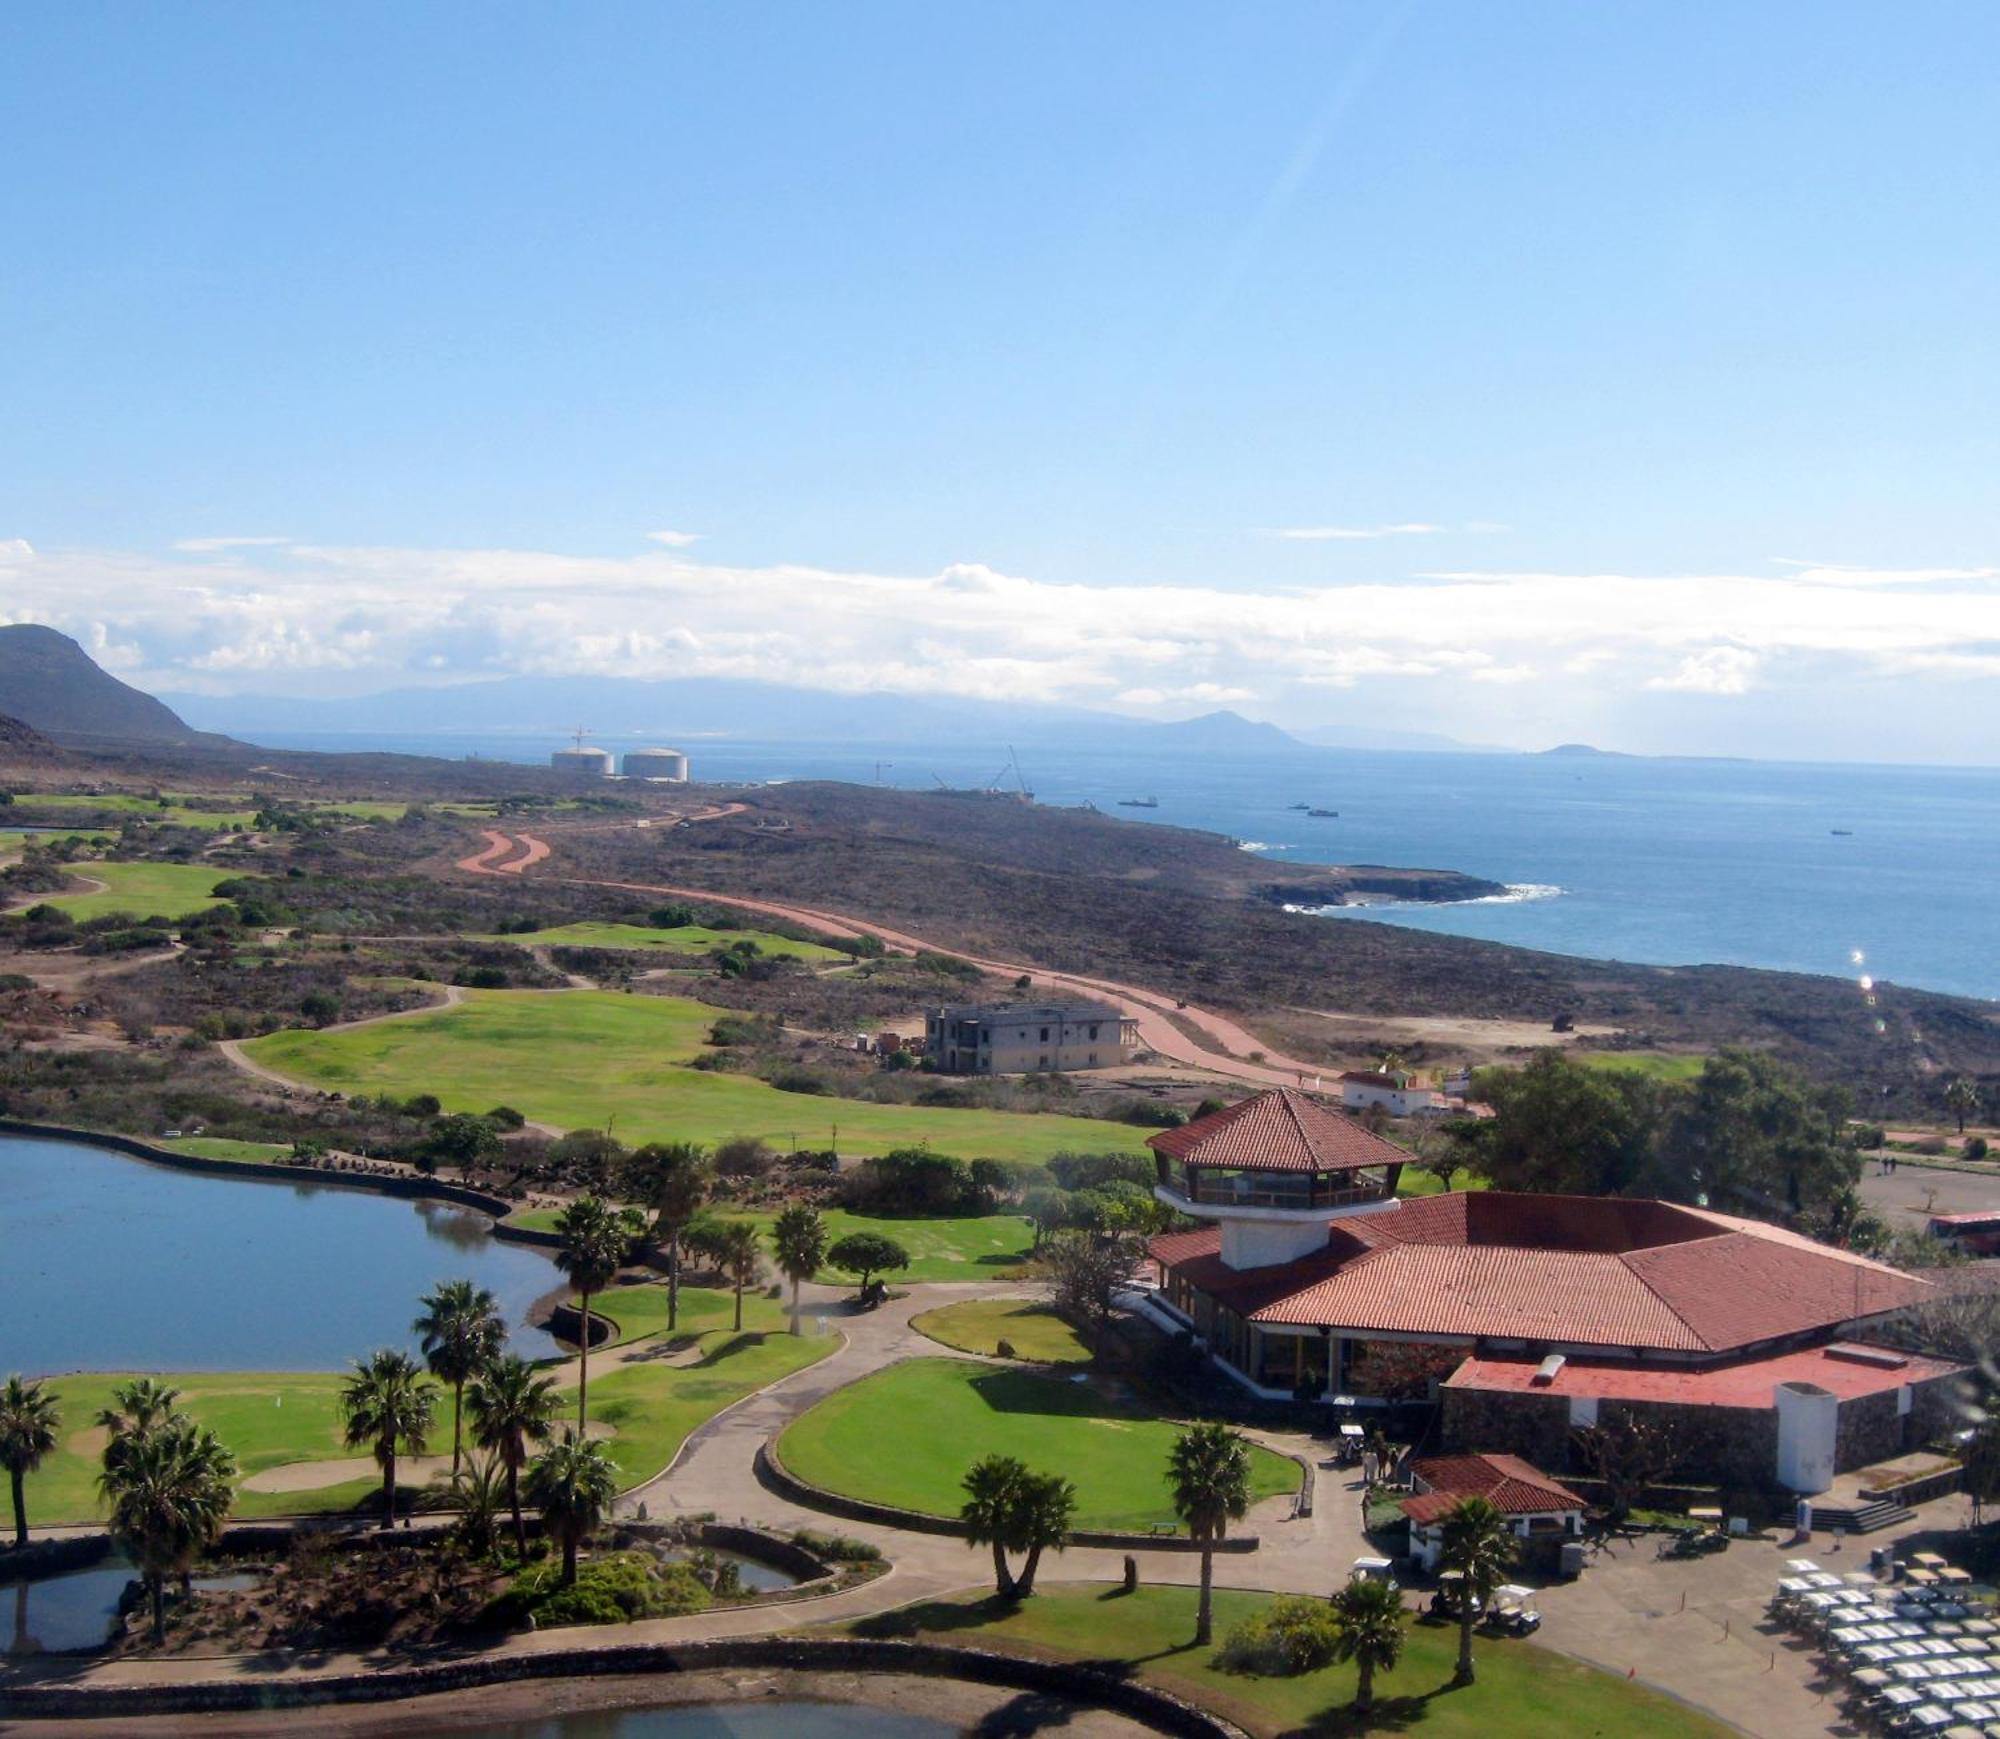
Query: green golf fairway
x=577 y=1058
x=143 y=890
x=942 y=1415
x=695 y=939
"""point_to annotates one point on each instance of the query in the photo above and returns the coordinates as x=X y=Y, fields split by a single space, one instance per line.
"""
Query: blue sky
x=1609 y=312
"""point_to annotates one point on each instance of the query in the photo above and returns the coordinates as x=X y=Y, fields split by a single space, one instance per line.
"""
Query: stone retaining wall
x=773 y=1474
x=410 y=1188
x=1158 y=1709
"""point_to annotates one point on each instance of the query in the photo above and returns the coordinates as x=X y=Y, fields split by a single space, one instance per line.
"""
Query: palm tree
x=1962 y=1099
x=1370 y=1616
x=1210 y=1475
x=1044 y=1509
x=169 y=1490
x=595 y=1238
x=737 y=1247
x=387 y=1403
x=137 y=1409
x=513 y=1405
x=799 y=1239
x=479 y=1493
x=672 y=1178
x=573 y=1483
x=990 y=1486
x=29 y=1420
x=1479 y=1546
x=462 y=1333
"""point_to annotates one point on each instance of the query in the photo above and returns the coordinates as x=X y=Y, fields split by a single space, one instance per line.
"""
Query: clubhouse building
x=1528 y=1316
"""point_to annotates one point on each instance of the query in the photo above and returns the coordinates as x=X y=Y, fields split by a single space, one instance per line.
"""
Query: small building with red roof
x=1310 y=1276
x=1533 y=1503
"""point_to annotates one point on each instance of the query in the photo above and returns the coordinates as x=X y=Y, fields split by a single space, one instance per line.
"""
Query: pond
x=761 y=1720
x=75 y=1610
x=113 y=1264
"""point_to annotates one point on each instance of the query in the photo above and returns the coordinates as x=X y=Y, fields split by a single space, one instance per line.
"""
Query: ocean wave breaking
x=1259 y=845
x=1516 y=894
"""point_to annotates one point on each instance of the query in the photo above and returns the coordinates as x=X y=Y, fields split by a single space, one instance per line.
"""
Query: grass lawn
x=175 y=812
x=654 y=1409
x=1418 y=1182
x=944 y=1414
x=268 y=1419
x=979 y=1325
x=696 y=939
x=642 y=1309
x=1522 y=1691
x=144 y=890
x=575 y=1058
x=1671 y=1067
x=221 y=1147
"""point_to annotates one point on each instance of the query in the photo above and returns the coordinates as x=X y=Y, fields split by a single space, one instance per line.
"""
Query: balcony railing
x=1229 y=1192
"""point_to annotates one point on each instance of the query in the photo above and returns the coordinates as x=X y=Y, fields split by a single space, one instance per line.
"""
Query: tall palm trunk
x=1204 y=1618
x=514 y=1503
x=457 y=1422
x=1464 y=1674
x=739 y=1304
x=1025 y=1583
x=389 y=1483
x=673 y=1279
x=795 y=1304
x=1003 y=1578
x=16 y=1477
x=1364 y=1684
x=569 y=1560
x=156 y=1586
x=583 y=1368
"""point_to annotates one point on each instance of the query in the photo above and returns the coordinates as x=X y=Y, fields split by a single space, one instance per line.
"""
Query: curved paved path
x=1216 y=1043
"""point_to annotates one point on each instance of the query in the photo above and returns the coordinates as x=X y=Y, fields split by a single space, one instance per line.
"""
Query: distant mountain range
x=681 y=710
x=690 y=709
x=48 y=682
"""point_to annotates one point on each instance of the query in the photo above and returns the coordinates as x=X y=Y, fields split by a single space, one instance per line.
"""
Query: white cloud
x=325 y=618
x=676 y=539
x=1835 y=574
x=203 y=546
x=1719 y=670
x=16 y=549
x=1345 y=533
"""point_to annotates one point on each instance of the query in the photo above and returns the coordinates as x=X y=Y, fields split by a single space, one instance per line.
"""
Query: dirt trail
x=1222 y=1046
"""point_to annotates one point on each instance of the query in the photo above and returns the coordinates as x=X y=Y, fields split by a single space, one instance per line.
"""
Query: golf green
x=694 y=939
x=143 y=890
x=942 y=1415
x=577 y=1059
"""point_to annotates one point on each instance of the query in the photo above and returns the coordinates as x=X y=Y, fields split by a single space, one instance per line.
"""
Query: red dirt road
x=1217 y=1044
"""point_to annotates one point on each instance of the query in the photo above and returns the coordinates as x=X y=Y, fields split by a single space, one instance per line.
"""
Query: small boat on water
x=1138 y=803
x=1843 y=833
x=1325 y=814
x=1301 y=807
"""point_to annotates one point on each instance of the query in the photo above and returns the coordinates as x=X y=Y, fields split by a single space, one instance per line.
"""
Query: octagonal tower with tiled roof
x=1275 y=1171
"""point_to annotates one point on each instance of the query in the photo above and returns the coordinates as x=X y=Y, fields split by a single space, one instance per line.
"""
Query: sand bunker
x=410 y=1469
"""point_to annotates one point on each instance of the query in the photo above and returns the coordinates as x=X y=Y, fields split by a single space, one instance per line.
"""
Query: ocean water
x=1845 y=870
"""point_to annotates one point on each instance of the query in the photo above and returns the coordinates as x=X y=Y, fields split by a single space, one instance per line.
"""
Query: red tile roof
x=1279 y=1130
x=1747 y=1383
x=1507 y=1482
x=1571 y=1270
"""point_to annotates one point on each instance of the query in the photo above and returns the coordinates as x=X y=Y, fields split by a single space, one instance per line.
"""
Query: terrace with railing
x=1289 y=1192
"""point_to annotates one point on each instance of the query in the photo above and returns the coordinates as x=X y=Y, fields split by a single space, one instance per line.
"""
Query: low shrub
x=1294 y=1634
x=1975 y=1147
x=613 y=1589
x=836 y=1548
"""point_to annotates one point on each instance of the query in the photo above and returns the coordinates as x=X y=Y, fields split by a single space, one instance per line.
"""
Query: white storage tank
x=582 y=763
x=657 y=764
